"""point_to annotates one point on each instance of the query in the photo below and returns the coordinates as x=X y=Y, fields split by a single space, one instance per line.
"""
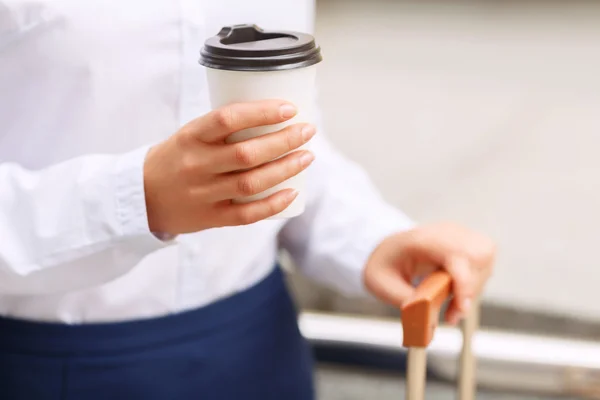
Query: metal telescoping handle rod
x=467 y=379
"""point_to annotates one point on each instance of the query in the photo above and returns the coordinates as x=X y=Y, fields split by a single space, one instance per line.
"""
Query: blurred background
x=484 y=112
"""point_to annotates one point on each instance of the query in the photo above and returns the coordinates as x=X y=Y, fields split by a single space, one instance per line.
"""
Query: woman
x=124 y=271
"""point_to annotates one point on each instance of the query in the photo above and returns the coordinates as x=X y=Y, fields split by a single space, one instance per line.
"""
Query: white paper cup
x=245 y=64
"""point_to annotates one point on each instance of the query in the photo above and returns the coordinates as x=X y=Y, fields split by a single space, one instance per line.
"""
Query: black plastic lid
x=249 y=48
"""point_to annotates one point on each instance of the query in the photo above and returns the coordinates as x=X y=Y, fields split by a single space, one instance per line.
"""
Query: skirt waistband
x=63 y=340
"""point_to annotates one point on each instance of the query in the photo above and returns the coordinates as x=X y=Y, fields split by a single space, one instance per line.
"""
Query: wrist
x=154 y=169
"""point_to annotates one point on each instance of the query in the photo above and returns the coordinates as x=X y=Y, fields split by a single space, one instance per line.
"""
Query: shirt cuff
x=132 y=215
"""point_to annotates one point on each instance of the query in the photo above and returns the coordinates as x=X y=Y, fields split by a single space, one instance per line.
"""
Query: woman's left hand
x=403 y=258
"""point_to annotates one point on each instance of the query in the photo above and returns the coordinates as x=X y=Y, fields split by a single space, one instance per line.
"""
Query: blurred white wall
x=487 y=113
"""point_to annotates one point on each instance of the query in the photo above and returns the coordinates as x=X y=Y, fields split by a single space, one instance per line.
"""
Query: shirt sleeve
x=345 y=220
x=72 y=225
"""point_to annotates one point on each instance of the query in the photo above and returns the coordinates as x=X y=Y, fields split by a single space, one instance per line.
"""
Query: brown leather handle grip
x=421 y=314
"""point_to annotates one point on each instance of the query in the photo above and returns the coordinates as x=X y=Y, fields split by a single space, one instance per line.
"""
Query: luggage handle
x=421 y=314
x=420 y=318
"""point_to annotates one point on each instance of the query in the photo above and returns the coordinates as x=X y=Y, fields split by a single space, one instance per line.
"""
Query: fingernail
x=287 y=111
x=466 y=306
x=291 y=195
x=308 y=132
x=306 y=159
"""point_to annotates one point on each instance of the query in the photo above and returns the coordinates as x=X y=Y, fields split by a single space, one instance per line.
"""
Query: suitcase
x=420 y=318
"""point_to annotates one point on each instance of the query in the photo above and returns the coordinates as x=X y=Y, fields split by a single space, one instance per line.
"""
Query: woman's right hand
x=190 y=179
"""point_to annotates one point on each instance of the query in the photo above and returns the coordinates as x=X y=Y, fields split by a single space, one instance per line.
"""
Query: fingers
x=463 y=287
x=462 y=280
x=218 y=124
x=258 y=180
x=260 y=150
x=454 y=312
x=458 y=264
x=466 y=256
x=249 y=213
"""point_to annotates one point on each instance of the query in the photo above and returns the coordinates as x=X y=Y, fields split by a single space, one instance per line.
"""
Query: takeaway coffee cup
x=246 y=63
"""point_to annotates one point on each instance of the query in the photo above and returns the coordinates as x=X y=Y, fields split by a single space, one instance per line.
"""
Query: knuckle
x=245 y=155
x=248 y=185
x=225 y=118
x=291 y=139
x=188 y=165
x=189 y=193
x=184 y=138
x=266 y=115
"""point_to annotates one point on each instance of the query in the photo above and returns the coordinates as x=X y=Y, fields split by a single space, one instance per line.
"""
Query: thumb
x=387 y=284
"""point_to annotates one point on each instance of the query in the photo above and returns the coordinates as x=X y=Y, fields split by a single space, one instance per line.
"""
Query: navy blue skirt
x=247 y=346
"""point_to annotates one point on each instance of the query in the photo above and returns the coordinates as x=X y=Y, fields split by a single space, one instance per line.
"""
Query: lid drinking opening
x=239 y=34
